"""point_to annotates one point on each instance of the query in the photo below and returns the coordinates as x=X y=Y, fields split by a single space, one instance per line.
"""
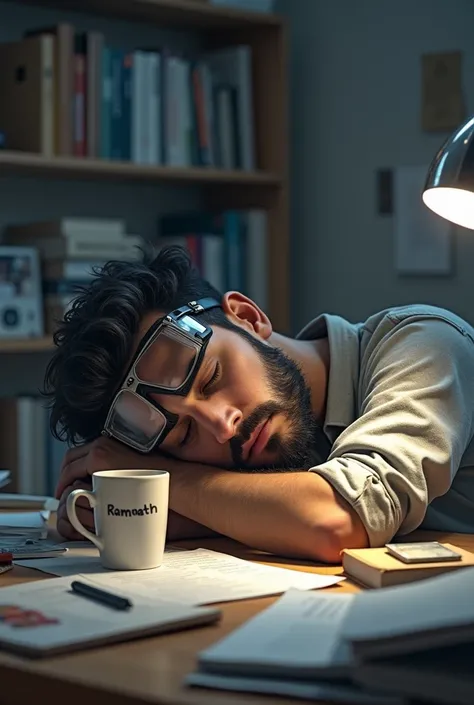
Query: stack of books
x=228 y=248
x=412 y=643
x=71 y=249
x=80 y=97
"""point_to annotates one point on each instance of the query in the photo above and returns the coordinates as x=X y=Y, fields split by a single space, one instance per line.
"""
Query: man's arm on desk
x=292 y=513
x=179 y=527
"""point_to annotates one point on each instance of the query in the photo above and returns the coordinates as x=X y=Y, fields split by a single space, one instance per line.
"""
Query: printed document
x=194 y=577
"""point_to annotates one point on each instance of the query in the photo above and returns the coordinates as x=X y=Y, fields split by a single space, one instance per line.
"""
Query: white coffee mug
x=131 y=516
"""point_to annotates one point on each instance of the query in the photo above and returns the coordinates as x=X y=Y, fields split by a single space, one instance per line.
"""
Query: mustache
x=248 y=426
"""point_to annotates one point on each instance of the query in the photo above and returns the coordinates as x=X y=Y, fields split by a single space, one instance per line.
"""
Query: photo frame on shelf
x=21 y=299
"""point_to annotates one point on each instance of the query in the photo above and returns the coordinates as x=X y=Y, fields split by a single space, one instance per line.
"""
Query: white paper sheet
x=196 y=577
x=300 y=634
x=23 y=520
x=292 y=688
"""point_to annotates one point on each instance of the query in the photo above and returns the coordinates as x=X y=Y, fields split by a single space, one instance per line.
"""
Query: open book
x=53 y=619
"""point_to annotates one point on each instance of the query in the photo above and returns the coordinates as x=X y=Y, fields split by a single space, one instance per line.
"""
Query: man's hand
x=79 y=465
x=77 y=469
x=102 y=454
x=84 y=512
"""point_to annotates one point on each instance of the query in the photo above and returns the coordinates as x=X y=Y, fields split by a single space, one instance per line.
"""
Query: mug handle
x=71 y=512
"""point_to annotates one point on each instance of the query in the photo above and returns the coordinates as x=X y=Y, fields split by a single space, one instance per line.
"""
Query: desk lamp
x=449 y=188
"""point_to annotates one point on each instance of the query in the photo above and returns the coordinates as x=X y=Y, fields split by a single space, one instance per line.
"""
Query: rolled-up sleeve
x=415 y=422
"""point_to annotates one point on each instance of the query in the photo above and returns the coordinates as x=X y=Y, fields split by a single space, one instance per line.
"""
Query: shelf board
x=173 y=13
x=27 y=164
x=29 y=345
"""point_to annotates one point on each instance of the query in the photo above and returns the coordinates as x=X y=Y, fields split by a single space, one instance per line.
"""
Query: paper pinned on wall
x=423 y=240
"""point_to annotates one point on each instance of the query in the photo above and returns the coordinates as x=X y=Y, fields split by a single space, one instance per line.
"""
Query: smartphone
x=422 y=552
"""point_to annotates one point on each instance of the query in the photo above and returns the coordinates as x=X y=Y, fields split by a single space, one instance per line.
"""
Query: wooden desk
x=151 y=670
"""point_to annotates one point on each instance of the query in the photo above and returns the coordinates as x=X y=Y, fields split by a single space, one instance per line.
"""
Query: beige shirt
x=400 y=417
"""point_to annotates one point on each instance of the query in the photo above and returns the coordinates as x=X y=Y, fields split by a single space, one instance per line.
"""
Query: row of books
x=68 y=93
x=229 y=249
x=27 y=447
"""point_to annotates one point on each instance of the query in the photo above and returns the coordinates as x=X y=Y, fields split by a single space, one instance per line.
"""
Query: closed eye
x=207 y=389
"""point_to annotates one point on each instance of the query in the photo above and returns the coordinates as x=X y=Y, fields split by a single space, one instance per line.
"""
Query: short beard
x=306 y=444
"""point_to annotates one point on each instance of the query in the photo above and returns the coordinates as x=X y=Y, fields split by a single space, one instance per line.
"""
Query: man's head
x=249 y=405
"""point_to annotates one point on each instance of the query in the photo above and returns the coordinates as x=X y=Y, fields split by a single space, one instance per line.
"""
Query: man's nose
x=219 y=418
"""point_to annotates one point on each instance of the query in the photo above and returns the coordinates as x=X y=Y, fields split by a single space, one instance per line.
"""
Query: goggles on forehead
x=167 y=361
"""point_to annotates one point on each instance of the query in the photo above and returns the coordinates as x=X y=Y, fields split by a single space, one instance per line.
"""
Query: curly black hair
x=96 y=337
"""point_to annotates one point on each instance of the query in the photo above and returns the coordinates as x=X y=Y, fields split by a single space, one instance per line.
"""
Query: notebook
x=45 y=617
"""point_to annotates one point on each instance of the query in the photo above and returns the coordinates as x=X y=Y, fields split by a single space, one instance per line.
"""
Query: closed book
x=99 y=228
x=27 y=94
x=376 y=568
x=95 y=43
x=63 y=34
x=128 y=248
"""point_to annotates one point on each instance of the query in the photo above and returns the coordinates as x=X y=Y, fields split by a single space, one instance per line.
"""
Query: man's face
x=249 y=407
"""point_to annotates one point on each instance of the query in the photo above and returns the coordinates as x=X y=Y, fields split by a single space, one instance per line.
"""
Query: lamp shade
x=449 y=188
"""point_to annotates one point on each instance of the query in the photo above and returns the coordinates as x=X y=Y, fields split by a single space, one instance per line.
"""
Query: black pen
x=106 y=598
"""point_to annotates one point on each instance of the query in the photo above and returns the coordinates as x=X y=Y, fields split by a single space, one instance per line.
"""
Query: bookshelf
x=101 y=169
x=28 y=345
x=266 y=187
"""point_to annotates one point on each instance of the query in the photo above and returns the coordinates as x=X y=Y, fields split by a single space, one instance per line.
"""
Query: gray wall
x=355 y=107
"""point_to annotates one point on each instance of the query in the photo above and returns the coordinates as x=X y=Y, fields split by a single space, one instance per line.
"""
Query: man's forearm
x=180 y=527
x=295 y=513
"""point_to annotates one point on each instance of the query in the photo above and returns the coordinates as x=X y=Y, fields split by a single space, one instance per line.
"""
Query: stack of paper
x=385 y=641
x=29 y=524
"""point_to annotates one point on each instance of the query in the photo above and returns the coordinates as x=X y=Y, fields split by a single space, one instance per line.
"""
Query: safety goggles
x=167 y=361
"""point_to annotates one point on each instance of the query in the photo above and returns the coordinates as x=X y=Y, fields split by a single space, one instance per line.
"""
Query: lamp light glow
x=449 y=188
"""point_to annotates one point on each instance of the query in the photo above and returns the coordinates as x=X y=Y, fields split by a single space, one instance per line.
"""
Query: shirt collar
x=344 y=352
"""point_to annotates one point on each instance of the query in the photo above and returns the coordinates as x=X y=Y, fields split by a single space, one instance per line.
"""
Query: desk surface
x=152 y=670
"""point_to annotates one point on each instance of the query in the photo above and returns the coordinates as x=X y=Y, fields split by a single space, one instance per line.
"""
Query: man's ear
x=245 y=313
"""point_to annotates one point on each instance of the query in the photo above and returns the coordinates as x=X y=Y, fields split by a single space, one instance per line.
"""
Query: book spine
x=106 y=104
x=64 y=77
x=93 y=102
x=154 y=107
x=116 y=142
x=47 y=95
x=80 y=96
x=126 y=98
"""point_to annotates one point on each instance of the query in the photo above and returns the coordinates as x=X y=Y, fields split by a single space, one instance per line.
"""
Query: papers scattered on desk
x=386 y=641
x=29 y=524
x=196 y=577
x=66 y=621
x=294 y=648
x=25 y=548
